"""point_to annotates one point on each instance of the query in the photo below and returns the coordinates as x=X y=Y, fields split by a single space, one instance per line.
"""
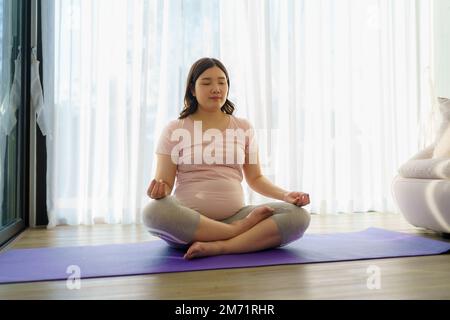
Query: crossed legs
x=253 y=228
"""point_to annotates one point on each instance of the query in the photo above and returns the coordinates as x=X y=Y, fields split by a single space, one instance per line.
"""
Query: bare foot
x=253 y=218
x=204 y=249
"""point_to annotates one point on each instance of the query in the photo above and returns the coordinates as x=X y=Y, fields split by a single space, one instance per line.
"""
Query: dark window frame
x=8 y=233
x=41 y=147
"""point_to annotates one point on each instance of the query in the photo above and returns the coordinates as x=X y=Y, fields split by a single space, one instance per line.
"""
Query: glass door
x=13 y=73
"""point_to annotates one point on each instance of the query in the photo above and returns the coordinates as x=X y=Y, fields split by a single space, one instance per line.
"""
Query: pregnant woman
x=207 y=214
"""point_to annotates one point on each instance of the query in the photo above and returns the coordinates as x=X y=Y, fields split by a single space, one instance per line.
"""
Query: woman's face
x=211 y=89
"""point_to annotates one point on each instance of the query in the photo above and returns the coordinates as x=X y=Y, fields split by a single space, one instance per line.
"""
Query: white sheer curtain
x=335 y=89
x=343 y=85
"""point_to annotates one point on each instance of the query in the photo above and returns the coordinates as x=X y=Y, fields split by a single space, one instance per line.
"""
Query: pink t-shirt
x=209 y=164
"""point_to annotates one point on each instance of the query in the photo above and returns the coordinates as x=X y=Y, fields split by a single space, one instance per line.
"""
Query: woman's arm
x=259 y=183
x=263 y=186
x=162 y=185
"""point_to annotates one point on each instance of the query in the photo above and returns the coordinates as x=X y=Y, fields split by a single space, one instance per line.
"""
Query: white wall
x=442 y=47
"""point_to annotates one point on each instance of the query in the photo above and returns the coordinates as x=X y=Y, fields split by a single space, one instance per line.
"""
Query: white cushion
x=426 y=169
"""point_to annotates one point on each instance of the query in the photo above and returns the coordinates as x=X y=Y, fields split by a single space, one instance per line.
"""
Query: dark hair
x=190 y=102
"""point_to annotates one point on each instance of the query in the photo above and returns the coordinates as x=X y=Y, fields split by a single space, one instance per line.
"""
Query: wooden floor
x=425 y=277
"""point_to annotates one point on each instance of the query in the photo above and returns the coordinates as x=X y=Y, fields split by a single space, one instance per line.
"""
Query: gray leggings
x=176 y=224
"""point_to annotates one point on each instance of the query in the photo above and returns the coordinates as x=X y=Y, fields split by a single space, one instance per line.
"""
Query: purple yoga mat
x=39 y=264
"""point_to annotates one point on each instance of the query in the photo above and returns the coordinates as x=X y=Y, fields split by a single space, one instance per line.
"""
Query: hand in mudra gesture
x=297 y=198
x=157 y=189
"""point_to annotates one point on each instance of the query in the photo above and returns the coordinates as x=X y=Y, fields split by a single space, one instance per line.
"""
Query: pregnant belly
x=216 y=199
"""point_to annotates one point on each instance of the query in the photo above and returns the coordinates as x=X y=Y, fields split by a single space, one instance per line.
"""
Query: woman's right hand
x=157 y=189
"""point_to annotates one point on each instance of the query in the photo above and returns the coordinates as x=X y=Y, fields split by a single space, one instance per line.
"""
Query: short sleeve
x=166 y=144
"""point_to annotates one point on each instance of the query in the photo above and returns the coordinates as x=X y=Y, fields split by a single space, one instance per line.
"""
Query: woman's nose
x=216 y=88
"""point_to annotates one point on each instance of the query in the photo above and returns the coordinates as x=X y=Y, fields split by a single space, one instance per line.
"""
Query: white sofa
x=422 y=191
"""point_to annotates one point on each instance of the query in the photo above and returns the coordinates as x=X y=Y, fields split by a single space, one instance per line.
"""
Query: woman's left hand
x=297 y=198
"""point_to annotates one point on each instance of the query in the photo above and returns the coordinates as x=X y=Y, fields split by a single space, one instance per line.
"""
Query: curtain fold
x=335 y=92
x=36 y=95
